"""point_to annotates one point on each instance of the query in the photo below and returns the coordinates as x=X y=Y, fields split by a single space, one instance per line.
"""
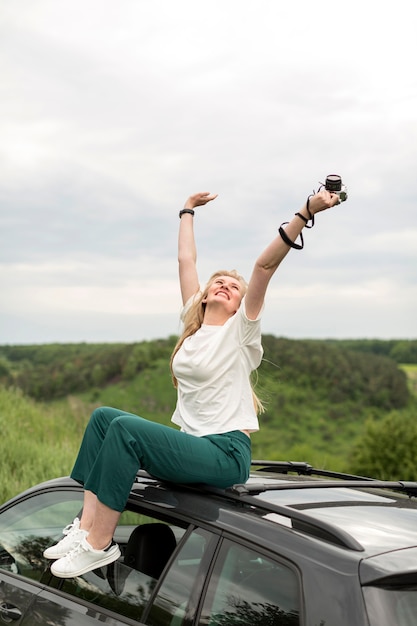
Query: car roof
x=359 y=514
x=365 y=515
x=372 y=521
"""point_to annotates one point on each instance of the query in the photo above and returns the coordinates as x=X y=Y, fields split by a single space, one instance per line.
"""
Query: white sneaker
x=84 y=558
x=73 y=535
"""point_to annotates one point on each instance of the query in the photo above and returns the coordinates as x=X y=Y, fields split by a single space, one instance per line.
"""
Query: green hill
x=320 y=398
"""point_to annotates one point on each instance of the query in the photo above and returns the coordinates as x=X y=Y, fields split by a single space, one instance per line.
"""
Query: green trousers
x=117 y=444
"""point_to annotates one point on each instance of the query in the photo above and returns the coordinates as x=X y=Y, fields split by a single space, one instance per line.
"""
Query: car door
x=50 y=608
x=27 y=526
x=117 y=594
x=16 y=597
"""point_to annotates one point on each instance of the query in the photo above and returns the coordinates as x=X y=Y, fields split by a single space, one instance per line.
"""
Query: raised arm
x=270 y=259
x=187 y=251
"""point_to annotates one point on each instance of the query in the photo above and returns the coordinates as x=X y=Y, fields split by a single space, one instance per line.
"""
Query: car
x=293 y=546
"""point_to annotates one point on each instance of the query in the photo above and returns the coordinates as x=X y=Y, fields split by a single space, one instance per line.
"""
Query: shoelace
x=76 y=551
x=73 y=526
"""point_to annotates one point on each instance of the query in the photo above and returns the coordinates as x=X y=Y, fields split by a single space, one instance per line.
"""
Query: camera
x=334 y=185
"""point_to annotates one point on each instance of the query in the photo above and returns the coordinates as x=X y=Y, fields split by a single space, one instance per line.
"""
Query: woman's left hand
x=323 y=200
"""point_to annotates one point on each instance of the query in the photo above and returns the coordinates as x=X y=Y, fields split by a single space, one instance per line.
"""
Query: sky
x=113 y=112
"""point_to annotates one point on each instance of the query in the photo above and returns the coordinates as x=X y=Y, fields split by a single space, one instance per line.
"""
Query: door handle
x=9 y=611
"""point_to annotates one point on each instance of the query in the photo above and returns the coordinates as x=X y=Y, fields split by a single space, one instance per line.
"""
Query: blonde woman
x=216 y=407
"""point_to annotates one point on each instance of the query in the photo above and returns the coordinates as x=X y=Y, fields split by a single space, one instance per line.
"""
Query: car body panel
x=336 y=583
x=389 y=566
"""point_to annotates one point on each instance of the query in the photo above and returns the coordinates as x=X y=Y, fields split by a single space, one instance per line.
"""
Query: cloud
x=112 y=113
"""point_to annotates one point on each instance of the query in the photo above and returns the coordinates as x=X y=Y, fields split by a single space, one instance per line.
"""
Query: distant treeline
x=337 y=372
x=50 y=371
x=359 y=371
x=400 y=350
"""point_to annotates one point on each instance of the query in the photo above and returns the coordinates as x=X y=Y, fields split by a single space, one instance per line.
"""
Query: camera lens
x=333 y=183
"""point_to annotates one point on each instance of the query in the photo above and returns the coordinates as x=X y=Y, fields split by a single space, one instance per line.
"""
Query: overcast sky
x=112 y=112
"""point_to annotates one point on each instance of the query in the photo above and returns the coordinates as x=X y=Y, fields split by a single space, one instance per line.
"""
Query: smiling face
x=224 y=292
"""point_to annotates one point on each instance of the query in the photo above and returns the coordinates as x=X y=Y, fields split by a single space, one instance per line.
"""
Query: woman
x=216 y=407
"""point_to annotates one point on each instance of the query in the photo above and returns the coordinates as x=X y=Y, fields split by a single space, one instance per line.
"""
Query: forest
x=348 y=405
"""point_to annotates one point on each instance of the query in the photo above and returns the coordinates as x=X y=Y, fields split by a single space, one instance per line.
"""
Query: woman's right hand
x=199 y=199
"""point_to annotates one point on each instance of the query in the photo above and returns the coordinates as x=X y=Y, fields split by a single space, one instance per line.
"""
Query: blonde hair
x=193 y=320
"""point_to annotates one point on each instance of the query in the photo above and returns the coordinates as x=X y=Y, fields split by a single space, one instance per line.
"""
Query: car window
x=170 y=604
x=126 y=585
x=248 y=588
x=31 y=525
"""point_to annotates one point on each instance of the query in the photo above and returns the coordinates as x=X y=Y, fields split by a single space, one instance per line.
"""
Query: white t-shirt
x=212 y=368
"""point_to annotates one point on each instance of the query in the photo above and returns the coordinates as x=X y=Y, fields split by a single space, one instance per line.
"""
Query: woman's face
x=227 y=291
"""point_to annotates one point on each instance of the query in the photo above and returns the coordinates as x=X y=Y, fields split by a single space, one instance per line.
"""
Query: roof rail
x=301 y=521
x=410 y=488
x=302 y=468
x=305 y=469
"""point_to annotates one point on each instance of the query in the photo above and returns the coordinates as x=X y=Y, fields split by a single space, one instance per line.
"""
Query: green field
x=411 y=371
x=332 y=404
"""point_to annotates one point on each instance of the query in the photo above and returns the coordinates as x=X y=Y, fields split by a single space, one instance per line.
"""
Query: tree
x=388 y=447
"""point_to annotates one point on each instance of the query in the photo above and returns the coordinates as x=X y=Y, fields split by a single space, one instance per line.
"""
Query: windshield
x=392 y=605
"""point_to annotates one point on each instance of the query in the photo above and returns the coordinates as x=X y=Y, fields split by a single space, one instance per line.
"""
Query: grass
x=411 y=371
x=37 y=443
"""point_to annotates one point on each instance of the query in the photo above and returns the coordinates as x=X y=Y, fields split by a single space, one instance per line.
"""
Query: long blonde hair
x=194 y=317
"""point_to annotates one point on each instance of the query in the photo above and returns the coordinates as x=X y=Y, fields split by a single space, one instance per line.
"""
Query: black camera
x=334 y=185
